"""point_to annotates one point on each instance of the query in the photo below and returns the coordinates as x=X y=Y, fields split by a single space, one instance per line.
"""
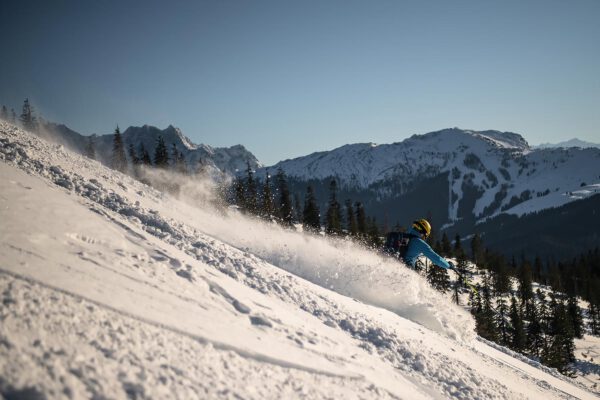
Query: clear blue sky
x=288 y=78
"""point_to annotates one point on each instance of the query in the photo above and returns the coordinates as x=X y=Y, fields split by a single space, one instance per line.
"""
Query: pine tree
x=351 y=226
x=161 y=156
x=119 y=160
x=525 y=290
x=485 y=319
x=361 y=220
x=251 y=190
x=4 y=113
x=537 y=269
x=446 y=247
x=333 y=217
x=135 y=161
x=373 y=233
x=575 y=317
x=502 y=283
x=13 y=116
x=457 y=245
x=501 y=320
x=268 y=206
x=438 y=278
x=145 y=156
x=518 y=338
x=181 y=165
x=240 y=193
x=285 y=203
x=456 y=292
x=560 y=352
x=311 y=218
x=132 y=155
x=535 y=340
x=90 y=147
x=298 y=208
x=544 y=319
x=461 y=266
x=594 y=323
x=28 y=119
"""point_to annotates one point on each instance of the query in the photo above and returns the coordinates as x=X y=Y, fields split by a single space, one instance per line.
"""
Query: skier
x=409 y=246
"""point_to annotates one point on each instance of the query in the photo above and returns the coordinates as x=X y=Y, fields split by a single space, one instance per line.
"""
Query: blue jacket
x=417 y=247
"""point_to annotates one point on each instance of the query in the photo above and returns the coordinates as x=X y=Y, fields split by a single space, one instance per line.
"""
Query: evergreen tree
x=446 y=247
x=285 y=203
x=518 y=337
x=457 y=245
x=311 y=218
x=361 y=220
x=90 y=147
x=251 y=190
x=438 y=278
x=144 y=156
x=476 y=248
x=240 y=193
x=544 y=319
x=502 y=282
x=594 y=323
x=4 y=113
x=486 y=326
x=161 y=156
x=13 y=116
x=456 y=292
x=333 y=217
x=373 y=233
x=538 y=269
x=575 y=317
x=28 y=118
x=268 y=206
x=351 y=226
x=177 y=160
x=524 y=277
x=535 y=340
x=132 y=155
x=560 y=352
x=298 y=208
x=461 y=266
x=501 y=320
x=119 y=160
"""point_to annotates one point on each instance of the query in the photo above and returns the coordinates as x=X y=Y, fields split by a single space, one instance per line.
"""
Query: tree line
x=27 y=119
x=272 y=200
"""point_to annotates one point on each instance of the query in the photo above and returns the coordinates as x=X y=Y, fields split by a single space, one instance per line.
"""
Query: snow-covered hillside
x=488 y=172
x=111 y=289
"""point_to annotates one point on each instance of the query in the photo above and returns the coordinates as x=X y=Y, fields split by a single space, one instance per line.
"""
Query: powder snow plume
x=336 y=264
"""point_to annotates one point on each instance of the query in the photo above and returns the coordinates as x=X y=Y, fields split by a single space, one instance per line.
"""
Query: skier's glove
x=452 y=266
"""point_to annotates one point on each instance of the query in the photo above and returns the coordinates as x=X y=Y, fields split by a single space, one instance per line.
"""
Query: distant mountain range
x=225 y=159
x=569 y=143
x=457 y=178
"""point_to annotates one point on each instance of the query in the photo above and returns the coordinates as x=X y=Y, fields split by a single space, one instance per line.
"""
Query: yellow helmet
x=423 y=227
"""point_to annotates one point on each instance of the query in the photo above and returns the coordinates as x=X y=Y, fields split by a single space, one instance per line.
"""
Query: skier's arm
x=428 y=252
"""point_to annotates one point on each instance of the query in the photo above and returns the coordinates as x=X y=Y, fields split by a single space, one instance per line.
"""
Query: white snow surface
x=111 y=289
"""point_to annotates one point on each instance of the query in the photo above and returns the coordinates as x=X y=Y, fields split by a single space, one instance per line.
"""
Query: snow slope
x=112 y=289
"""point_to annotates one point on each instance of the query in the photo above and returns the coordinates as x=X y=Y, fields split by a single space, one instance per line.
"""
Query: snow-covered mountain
x=568 y=143
x=225 y=159
x=111 y=289
x=467 y=174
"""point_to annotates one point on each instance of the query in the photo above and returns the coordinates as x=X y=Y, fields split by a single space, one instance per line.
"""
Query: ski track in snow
x=29 y=307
